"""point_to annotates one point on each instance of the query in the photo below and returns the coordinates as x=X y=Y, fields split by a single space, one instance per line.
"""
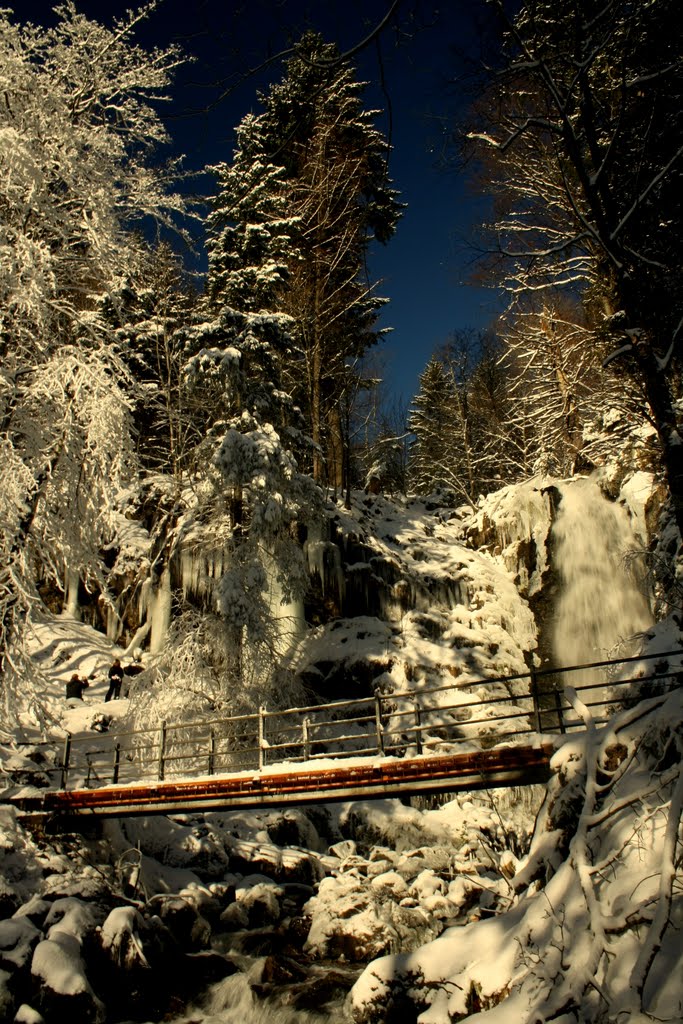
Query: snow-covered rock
x=63 y=987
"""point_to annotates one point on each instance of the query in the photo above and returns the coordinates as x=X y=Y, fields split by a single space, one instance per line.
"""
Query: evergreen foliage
x=306 y=193
x=462 y=419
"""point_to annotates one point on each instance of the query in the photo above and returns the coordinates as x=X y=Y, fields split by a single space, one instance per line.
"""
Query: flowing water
x=232 y=1001
x=602 y=605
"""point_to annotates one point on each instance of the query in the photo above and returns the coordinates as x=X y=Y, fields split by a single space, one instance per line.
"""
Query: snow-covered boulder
x=261 y=899
x=180 y=916
x=63 y=989
x=27 y=1015
x=18 y=939
x=120 y=938
x=355 y=922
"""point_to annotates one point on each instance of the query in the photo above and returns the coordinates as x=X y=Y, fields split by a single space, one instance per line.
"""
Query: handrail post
x=261 y=737
x=379 y=725
x=560 y=713
x=306 y=737
x=418 y=727
x=212 y=751
x=66 y=757
x=534 y=696
x=117 y=763
x=162 y=750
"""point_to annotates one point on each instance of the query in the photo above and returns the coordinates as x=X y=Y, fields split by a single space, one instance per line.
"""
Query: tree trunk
x=660 y=401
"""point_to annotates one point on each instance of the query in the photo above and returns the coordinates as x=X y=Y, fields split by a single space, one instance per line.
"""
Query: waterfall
x=601 y=604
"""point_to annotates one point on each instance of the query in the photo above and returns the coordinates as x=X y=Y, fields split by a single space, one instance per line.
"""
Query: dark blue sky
x=424 y=269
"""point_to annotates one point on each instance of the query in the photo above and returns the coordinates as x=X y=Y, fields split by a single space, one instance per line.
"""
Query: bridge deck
x=504 y=766
x=391 y=744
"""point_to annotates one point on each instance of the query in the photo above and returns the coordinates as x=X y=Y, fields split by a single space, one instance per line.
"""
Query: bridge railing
x=407 y=723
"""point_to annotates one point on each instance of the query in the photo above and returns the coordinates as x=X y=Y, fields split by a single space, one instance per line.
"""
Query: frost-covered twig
x=655 y=935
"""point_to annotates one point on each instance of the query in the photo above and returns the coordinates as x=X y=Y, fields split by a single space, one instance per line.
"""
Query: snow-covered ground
x=450 y=908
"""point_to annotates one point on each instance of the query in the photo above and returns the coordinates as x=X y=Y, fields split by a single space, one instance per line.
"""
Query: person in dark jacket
x=115 y=680
x=75 y=687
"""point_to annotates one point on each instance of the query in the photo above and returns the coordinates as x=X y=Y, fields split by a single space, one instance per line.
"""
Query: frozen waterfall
x=601 y=605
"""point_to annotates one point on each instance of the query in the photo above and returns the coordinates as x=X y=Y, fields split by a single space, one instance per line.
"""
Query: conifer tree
x=433 y=420
x=253 y=494
x=305 y=194
x=148 y=314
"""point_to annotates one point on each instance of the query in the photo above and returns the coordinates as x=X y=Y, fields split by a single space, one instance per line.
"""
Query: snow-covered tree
x=558 y=392
x=461 y=419
x=306 y=193
x=149 y=313
x=250 y=231
x=237 y=540
x=77 y=133
x=579 y=142
x=434 y=420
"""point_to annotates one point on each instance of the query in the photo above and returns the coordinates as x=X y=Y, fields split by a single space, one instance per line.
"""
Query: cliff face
x=399 y=599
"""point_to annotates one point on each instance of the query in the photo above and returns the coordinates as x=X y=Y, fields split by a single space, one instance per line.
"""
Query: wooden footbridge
x=473 y=735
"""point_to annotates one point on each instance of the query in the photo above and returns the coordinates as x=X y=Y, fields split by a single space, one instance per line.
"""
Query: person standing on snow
x=75 y=687
x=115 y=680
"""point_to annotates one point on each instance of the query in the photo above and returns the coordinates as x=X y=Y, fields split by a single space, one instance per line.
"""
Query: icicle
x=72 y=608
x=159 y=613
x=324 y=560
x=113 y=621
x=289 y=616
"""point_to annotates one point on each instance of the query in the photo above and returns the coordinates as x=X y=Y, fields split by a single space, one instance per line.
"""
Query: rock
x=73 y=916
x=120 y=938
x=10 y=901
x=18 y=939
x=7 y=999
x=261 y=901
x=281 y=865
x=378 y=867
x=346 y=848
x=437 y=859
x=204 y=901
x=426 y=884
x=196 y=971
x=27 y=1015
x=354 y=921
x=190 y=929
x=281 y=970
x=294 y=896
x=160 y=946
x=293 y=828
x=63 y=990
x=223 y=893
x=234 y=918
x=36 y=910
x=322 y=989
x=391 y=881
x=262 y=942
x=82 y=887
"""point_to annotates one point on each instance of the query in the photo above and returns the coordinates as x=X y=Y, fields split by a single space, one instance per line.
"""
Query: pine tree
x=314 y=153
x=250 y=237
x=253 y=494
x=148 y=315
x=434 y=421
